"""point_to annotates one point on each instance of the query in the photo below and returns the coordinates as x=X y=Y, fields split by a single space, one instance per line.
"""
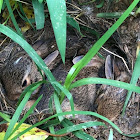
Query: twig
x=118 y=57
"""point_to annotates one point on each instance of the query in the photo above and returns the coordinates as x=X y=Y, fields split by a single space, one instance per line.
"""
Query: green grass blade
x=39 y=14
x=109 y=15
x=111 y=135
x=19 y=110
x=26 y=90
x=1 y=3
x=40 y=1
x=73 y=23
x=72 y=112
x=52 y=131
x=50 y=123
x=134 y=79
x=138 y=11
x=92 y=31
x=104 y=81
x=3 y=122
x=58 y=106
x=101 y=4
x=27 y=20
x=56 y=99
x=80 y=134
x=132 y=135
x=51 y=104
x=67 y=93
x=57 y=10
x=78 y=66
x=5 y=117
x=23 y=15
x=13 y=18
x=4 y=5
x=79 y=126
x=27 y=114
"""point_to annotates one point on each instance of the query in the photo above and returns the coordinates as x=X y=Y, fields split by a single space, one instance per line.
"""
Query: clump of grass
x=58 y=9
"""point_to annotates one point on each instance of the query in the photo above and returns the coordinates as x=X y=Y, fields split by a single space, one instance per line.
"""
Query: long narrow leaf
x=5 y=117
x=115 y=83
x=27 y=114
x=109 y=15
x=1 y=2
x=101 y=4
x=23 y=15
x=57 y=10
x=78 y=66
x=80 y=134
x=67 y=93
x=79 y=126
x=58 y=106
x=72 y=112
x=40 y=1
x=19 y=110
x=134 y=79
x=56 y=99
x=72 y=22
x=26 y=90
x=111 y=135
x=132 y=135
x=52 y=131
x=39 y=14
x=3 y=122
x=13 y=18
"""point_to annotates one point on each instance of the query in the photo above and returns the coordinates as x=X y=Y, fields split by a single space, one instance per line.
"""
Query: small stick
x=118 y=57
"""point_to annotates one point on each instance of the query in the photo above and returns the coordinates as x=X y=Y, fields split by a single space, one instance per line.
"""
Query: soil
x=123 y=42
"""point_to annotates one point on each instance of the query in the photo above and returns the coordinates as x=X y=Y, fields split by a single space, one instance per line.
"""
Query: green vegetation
x=58 y=9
